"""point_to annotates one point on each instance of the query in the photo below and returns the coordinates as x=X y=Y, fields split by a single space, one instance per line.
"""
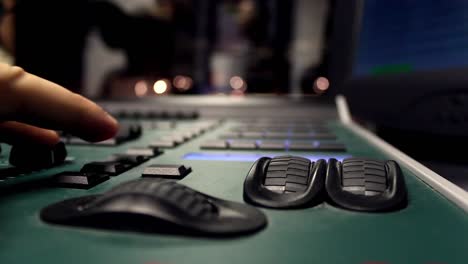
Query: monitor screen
x=407 y=36
x=402 y=65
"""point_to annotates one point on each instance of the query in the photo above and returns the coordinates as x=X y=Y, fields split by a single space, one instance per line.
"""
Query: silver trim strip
x=343 y=109
x=439 y=183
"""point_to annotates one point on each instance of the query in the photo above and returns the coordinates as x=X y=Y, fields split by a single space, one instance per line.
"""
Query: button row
x=153 y=114
x=278 y=135
x=10 y=172
x=25 y=159
x=159 y=125
x=96 y=172
x=281 y=123
x=167 y=171
x=174 y=139
x=127 y=132
x=34 y=157
x=273 y=145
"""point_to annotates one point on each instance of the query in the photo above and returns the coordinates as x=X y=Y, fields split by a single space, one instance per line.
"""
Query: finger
x=15 y=132
x=30 y=99
x=321 y=85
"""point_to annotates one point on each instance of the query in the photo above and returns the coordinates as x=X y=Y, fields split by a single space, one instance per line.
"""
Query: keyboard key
x=132 y=160
x=79 y=141
x=105 y=167
x=215 y=144
x=312 y=136
x=37 y=156
x=194 y=131
x=164 y=125
x=185 y=136
x=178 y=139
x=322 y=135
x=79 y=180
x=163 y=143
x=242 y=144
x=146 y=152
x=167 y=171
x=127 y=131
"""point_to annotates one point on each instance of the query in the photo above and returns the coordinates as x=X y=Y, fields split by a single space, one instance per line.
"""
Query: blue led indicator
x=251 y=157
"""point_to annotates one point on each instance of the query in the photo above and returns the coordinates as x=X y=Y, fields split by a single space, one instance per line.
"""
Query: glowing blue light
x=251 y=157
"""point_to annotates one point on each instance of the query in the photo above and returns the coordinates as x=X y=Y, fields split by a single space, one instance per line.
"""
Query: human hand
x=30 y=106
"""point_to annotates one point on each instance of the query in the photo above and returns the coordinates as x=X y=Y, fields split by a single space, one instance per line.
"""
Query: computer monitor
x=403 y=66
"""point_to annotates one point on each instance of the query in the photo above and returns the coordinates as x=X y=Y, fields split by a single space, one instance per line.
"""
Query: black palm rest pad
x=157 y=206
x=366 y=185
x=285 y=182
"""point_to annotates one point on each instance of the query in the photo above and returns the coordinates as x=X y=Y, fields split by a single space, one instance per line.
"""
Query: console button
x=147 y=152
x=242 y=144
x=37 y=156
x=167 y=171
x=164 y=143
x=132 y=160
x=105 y=167
x=79 y=180
x=215 y=144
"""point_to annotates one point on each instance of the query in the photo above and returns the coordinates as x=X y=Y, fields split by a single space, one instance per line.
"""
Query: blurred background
x=143 y=48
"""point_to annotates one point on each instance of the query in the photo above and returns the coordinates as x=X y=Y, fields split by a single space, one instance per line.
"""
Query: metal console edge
x=437 y=182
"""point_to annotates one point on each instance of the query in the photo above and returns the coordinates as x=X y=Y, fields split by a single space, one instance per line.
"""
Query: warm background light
x=237 y=83
x=161 y=86
x=182 y=83
x=141 y=88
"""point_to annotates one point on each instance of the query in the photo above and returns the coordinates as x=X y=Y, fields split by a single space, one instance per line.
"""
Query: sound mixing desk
x=227 y=180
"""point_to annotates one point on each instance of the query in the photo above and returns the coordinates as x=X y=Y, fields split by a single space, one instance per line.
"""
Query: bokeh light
x=161 y=86
x=182 y=83
x=237 y=83
x=141 y=88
